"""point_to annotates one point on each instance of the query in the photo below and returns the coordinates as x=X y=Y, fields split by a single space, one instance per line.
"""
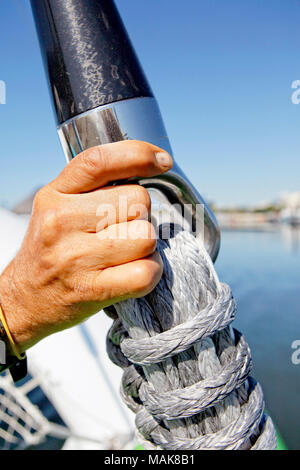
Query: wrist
x=13 y=310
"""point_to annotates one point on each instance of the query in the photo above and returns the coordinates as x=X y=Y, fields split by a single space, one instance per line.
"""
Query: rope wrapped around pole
x=186 y=370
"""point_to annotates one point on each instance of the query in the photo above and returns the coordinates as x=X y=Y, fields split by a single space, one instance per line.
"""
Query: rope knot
x=186 y=371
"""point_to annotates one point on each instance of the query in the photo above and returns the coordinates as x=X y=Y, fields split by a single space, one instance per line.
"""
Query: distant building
x=290 y=200
x=290 y=213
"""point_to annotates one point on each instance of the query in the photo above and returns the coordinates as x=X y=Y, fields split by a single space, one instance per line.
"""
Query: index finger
x=98 y=166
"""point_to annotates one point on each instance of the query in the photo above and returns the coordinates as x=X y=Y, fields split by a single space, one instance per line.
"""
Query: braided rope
x=186 y=371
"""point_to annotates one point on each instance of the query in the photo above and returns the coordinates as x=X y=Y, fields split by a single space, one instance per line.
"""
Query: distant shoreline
x=264 y=221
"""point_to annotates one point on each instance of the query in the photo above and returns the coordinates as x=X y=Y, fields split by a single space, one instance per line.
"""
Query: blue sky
x=221 y=71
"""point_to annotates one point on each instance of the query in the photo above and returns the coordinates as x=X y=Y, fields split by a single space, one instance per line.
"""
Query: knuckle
x=144 y=276
x=45 y=199
x=49 y=223
x=51 y=217
x=142 y=197
x=140 y=230
x=93 y=159
x=53 y=224
x=142 y=152
x=146 y=232
x=39 y=199
x=146 y=227
x=140 y=202
x=150 y=244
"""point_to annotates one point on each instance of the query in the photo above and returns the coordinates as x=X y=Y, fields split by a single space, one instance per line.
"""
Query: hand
x=75 y=259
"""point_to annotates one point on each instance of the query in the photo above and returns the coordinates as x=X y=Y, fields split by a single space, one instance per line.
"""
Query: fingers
x=117 y=244
x=111 y=205
x=101 y=165
x=134 y=279
x=121 y=243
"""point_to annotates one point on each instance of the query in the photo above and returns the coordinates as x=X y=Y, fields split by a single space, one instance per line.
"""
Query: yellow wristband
x=9 y=336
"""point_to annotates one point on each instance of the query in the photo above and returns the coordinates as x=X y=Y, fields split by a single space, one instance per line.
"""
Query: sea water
x=263 y=270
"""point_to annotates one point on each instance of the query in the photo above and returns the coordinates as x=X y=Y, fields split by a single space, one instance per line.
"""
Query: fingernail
x=164 y=159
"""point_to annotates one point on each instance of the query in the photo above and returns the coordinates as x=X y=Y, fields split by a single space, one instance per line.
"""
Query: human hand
x=81 y=252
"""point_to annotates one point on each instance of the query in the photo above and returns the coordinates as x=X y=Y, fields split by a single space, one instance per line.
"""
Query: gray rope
x=186 y=371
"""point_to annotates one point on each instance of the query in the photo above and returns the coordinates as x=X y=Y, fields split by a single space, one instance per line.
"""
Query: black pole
x=90 y=63
x=88 y=56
